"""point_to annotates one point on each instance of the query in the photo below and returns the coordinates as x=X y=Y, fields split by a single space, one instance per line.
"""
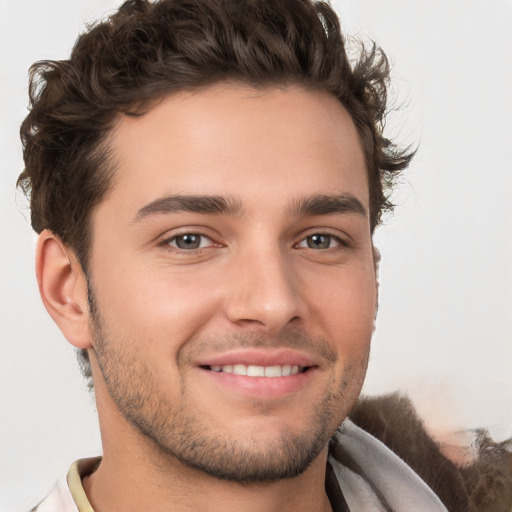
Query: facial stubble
x=181 y=432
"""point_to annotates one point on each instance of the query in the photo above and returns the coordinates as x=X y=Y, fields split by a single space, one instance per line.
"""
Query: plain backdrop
x=445 y=321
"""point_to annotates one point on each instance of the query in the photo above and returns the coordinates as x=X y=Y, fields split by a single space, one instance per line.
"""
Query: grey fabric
x=384 y=482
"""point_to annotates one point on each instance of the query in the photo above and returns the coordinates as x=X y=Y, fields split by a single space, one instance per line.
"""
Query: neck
x=133 y=481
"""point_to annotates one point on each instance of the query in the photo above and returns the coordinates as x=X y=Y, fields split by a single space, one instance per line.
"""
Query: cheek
x=343 y=304
x=155 y=305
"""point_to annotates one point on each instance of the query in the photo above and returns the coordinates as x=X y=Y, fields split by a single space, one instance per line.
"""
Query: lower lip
x=261 y=387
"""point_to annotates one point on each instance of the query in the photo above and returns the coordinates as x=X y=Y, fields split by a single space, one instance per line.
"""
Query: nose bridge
x=264 y=291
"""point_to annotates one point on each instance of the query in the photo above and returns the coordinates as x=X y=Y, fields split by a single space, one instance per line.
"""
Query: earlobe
x=63 y=288
x=376 y=262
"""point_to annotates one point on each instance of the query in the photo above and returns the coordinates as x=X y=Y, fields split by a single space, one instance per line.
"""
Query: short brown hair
x=147 y=50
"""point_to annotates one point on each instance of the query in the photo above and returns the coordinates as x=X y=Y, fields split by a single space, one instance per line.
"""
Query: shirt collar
x=78 y=470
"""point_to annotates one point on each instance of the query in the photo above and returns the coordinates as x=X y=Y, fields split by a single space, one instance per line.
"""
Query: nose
x=264 y=292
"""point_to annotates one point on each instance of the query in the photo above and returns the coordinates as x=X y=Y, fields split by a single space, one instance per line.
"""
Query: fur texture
x=484 y=485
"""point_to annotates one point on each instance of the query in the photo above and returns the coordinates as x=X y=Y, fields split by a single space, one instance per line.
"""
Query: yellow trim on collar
x=74 y=480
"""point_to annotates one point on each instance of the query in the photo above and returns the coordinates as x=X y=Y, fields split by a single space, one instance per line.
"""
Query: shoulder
x=59 y=500
x=68 y=495
x=484 y=485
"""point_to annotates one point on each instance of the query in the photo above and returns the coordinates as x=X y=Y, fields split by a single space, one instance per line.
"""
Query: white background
x=445 y=321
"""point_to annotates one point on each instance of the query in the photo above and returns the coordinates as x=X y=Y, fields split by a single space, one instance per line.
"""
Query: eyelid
x=169 y=241
x=338 y=242
x=165 y=241
x=342 y=239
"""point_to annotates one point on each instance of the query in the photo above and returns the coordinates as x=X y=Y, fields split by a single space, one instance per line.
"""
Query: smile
x=260 y=374
x=284 y=370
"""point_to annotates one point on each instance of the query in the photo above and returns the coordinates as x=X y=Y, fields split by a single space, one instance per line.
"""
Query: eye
x=189 y=241
x=320 y=241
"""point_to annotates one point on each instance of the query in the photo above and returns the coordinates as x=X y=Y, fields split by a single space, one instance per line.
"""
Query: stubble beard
x=180 y=432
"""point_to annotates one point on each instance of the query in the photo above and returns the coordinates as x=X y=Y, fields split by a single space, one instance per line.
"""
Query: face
x=232 y=281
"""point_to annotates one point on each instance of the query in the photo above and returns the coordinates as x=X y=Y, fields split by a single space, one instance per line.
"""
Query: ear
x=376 y=265
x=63 y=288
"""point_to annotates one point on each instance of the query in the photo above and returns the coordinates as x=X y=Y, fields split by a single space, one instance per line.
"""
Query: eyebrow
x=323 y=204
x=192 y=204
x=328 y=205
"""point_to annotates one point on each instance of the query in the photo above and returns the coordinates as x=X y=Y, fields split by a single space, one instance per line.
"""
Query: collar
x=78 y=470
x=370 y=476
x=373 y=478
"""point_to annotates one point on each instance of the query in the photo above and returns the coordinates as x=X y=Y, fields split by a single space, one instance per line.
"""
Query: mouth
x=260 y=374
x=285 y=370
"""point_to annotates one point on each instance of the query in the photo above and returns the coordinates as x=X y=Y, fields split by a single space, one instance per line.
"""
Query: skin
x=271 y=280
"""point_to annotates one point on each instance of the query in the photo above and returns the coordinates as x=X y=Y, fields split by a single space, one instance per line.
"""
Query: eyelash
x=338 y=240
x=168 y=242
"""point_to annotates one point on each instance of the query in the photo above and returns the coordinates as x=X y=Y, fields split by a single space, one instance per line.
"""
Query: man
x=206 y=178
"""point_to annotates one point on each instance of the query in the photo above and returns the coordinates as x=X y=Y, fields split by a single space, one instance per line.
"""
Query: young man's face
x=232 y=278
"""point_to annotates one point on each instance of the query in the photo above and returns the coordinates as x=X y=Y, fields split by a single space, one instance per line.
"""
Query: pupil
x=188 y=241
x=319 y=242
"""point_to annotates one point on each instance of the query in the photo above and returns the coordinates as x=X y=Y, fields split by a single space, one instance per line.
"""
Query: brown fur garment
x=484 y=485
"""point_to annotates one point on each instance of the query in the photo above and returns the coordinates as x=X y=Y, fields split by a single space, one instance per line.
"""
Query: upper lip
x=260 y=357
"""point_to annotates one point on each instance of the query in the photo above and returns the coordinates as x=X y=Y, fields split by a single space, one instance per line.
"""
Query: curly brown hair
x=147 y=50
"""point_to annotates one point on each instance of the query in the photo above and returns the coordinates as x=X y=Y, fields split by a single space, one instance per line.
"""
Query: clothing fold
x=370 y=476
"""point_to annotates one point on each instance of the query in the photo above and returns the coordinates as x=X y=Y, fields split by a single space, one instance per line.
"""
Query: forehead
x=237 y=141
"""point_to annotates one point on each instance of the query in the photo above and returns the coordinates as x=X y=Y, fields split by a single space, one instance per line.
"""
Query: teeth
x=255 y=371
x=258 y=371
x=238 y=369
x=273 y=371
